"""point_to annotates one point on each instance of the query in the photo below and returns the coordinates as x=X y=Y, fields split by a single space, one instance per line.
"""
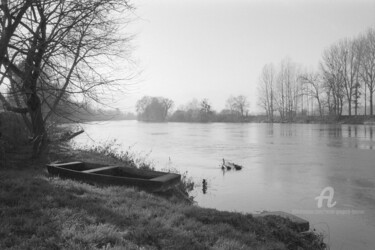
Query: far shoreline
x=345 y=119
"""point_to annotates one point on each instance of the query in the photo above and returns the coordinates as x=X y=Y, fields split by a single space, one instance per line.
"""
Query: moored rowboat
x=153 y=181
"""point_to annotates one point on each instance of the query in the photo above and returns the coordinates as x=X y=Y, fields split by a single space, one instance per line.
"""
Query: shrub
x=13 y=130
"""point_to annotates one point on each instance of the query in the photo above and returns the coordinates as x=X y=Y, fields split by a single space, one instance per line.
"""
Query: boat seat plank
x=67 y=164
x=166 y=177
x=99 y=169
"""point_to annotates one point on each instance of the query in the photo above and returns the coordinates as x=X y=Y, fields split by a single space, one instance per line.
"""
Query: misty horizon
x=215 y=49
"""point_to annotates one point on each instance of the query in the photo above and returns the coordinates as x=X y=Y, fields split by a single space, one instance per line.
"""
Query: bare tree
x=331 y=67
x=153 y=109
x=206 y=110
x=266 y=90
x=367 y=63
x=312 y=85
x=55 y=48
x=349 y=60
x=238 y=105
x=168 y=105
x=287 y=90
x=205 y=106
x=192 y=105
x=142 y=104
x=11 y=16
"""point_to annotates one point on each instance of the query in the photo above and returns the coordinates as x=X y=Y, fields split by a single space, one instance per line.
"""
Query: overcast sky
x=217 y=48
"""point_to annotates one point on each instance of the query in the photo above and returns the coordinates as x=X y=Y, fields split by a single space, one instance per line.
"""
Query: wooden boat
x=153 y=181
x=229 y=165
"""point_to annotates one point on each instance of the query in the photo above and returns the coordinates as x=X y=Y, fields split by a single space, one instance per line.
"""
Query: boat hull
x=153 y=181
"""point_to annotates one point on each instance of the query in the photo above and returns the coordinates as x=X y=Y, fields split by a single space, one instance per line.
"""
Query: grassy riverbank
x=41 y=212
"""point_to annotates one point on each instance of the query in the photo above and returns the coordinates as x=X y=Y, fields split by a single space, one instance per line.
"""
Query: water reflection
x=369 y=134
x=270 y=129
x=335 y=131
x=352 y=136
x=204 y=186
x=288 y=130
x=355 y=130
x=369 y=131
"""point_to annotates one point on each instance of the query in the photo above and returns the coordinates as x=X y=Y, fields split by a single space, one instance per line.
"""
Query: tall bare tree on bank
x=55 y=48
x=288 y=90
x=347 y=71
x=168 y=105
x=266 y=90
x=238 y=105
x=205 y=110
x=349 y=59
x=367 y=64
x=312 y=86
x=332 y=67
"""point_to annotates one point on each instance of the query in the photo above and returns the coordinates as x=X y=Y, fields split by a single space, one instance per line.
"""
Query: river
x=286 y=167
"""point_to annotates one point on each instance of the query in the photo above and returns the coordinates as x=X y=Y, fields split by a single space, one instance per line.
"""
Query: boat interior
x=116 y=170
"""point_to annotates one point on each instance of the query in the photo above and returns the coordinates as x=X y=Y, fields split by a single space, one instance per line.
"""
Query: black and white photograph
x=187 y=124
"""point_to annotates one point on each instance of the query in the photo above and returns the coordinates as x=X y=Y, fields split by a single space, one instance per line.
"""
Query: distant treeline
x=344 y=83
x=341 y=89
x=71 y=110
x=160 y=109
x=107 y=114
x=84 y=113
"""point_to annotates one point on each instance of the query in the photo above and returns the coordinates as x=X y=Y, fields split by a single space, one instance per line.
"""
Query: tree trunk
x=350 y=107
x=320 y=108
x=371 y=107
x=39 y=132
x=271 y=109
x=365 y=100
x=341 y=106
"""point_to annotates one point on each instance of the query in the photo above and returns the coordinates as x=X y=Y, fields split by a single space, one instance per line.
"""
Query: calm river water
x=286 y=166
